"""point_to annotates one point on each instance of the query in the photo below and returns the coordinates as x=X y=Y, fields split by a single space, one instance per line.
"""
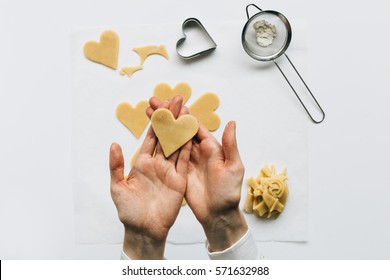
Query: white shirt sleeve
x=124 y=256
x=243 y=249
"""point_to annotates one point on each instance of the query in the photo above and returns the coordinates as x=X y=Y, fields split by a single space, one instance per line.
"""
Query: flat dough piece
x=173 y=134
x=146 y=51
x=135 y=119
x=163 y=91
x=104 y=52
x=134 y=157
x=204 y=110
x=130 y=70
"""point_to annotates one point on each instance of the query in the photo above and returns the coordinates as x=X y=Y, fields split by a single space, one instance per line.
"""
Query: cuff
x=124 y=256
x=243 y=249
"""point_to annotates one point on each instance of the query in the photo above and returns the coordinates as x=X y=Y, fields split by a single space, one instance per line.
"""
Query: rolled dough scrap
x=134 y=157
x=164 y=91
x=267 y=194
x=173 y=134
x=183 y=202
x=104 y=52
x=146 y=51
x=135 y=119
x=203 y=109
x=130 y=70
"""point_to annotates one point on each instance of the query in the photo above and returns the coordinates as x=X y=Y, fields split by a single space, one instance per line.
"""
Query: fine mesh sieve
x=277 y=48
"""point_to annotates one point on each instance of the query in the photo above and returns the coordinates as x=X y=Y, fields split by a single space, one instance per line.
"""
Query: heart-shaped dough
x=203 y=109
x=164 y=91
x=135 y=119
x=173 y=134
x=104 y=52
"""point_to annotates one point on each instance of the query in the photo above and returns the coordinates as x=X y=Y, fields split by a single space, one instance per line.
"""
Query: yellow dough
x=173 y=134
x=130 y=70
x=183 y=202
x=203 y=109
x=146 y=51
x=134 y=157
x=164 y=91
x=267 y=194
x=104 y=52
x=135 y=119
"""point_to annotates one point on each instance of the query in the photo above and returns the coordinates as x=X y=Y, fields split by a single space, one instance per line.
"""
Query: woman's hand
x=149 y=199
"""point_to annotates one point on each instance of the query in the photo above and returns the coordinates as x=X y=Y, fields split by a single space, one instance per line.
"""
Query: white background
x=348 y=154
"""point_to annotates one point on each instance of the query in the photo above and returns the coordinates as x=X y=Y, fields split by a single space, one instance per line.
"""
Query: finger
x=155 y=102
x=117 y=163
x=203 y=133
x=229 y=143
x=149 y=111
x=184 y=110
x=149 y=144
x=183 y=159
x=159 y=152
x=175 y=105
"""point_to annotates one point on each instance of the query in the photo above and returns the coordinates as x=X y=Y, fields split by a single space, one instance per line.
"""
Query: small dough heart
x=104 y=52
x=203 y=109
x=164 y=91
x=135 y=119
x=173 y=134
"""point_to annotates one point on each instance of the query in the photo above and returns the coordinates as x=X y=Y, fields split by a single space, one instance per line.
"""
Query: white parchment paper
x=272 y=128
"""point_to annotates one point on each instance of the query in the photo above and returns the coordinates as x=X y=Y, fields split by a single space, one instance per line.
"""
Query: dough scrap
x=204 y=110
x=173 y=134
x=267 y=194
x=146 y=51
x=163 y=91
x=135 y=119
x=134 y=157
x=104 y=52
x=130 y=70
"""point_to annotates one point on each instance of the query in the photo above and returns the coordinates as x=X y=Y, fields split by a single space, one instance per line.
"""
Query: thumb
x=229 y=143
x=116 y=163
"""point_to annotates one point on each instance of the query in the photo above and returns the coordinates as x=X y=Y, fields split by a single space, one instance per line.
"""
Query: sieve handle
x=296 y=94
x=247 y=9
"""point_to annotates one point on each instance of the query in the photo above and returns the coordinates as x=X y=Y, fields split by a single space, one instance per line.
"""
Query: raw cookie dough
x=173 y=134
x=134 y=157
x=164 y=91
x=146 y=51
x=267 y=195
x=104 y=52
x=130 y=70
x=203 y=109
x=135 y=119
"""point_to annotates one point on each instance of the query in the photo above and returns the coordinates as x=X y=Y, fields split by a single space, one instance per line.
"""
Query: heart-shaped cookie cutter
x=194 y=22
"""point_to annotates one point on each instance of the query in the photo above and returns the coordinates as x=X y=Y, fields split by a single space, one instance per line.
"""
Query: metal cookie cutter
x=195 y=23
x=278 y=48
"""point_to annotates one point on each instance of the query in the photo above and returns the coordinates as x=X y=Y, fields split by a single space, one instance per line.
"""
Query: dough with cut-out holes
x=267 y=194
x=204 y=110
x=135 y=119
x=163 y=91
x=173 y=134
x=146 y=51
x=104 y=52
